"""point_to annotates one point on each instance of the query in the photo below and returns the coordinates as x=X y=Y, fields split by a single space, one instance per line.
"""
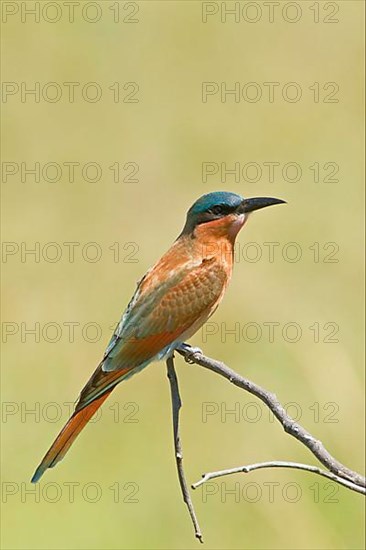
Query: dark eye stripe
x=221 y=209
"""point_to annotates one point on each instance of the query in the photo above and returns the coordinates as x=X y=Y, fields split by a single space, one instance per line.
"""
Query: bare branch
x=279 y=464
x=289 y=425
x=176 y=405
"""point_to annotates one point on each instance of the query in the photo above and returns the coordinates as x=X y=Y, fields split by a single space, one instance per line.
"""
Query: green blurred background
x=169 y=132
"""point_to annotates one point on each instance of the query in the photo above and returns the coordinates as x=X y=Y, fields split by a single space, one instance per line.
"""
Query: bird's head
x=222 y=214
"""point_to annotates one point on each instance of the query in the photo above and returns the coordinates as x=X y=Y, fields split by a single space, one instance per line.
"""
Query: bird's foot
x=188 y=351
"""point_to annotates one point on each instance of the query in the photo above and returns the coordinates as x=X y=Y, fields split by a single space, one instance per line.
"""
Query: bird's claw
x=189 y=351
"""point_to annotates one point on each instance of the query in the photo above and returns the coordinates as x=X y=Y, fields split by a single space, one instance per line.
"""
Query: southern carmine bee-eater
x=171 y=302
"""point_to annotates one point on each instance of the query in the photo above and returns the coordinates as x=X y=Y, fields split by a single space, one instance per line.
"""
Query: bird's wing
x=155 y=320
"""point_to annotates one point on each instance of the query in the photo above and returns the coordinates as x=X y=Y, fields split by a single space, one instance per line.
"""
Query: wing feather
x=168 y=312
x=156 y=321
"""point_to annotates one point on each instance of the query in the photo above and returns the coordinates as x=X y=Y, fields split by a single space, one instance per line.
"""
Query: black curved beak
x=255 y=203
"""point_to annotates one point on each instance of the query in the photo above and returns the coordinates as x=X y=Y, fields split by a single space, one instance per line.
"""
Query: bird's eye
x=217 y=209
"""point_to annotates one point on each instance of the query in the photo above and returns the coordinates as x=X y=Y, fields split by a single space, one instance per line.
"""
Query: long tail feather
x=67 y=436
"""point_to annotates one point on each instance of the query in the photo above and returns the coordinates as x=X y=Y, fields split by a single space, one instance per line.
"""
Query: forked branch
x=335 y=471
x=279 y=464
x=289 y=425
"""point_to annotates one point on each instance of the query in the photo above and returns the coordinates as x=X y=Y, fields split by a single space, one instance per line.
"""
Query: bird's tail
x=68 y=434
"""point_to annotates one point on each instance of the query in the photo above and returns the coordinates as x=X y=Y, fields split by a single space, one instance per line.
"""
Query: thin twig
x=289 y=425
x=176 y=405
x=279 y=464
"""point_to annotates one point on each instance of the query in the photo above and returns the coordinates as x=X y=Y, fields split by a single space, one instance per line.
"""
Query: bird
x=171 y=303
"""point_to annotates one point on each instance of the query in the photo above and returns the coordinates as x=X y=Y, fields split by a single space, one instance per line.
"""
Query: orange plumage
x=174 y=299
